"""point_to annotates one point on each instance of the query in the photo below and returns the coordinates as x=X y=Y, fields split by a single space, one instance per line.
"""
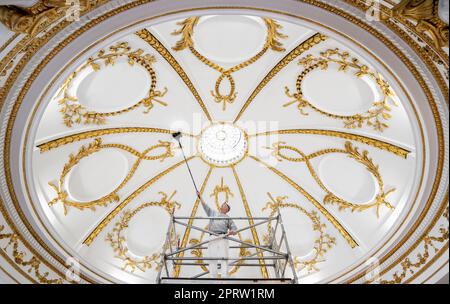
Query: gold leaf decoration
x=221 y=188
x=380 y=199
x=330 y=198
x=322 y=244
x=94 y=147
x=33 y=264
x=75 y=113
x=118 y=241
x=429 y=243
x=186 y=31
x=274 y=35
x=375 y=117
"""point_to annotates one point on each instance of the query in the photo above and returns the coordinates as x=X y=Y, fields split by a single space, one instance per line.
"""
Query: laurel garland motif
x=33 y=264
x=186 y=31
x=118 y=241
x=94 y=147
x=375 y=117
x=75 y=113
x=429 y=241
x=330 y=197
x=322 y=244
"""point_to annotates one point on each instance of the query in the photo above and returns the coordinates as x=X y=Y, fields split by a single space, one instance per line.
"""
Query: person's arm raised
x=207 y=209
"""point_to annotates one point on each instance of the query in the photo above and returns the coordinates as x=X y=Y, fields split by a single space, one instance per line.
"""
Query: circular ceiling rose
x=223 y=144
x=332 y=120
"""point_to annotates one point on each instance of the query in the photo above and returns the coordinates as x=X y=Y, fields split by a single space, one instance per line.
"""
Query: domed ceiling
x=295 y=112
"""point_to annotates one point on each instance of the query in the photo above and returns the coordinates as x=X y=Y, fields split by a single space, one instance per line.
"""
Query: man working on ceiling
x=218 y=246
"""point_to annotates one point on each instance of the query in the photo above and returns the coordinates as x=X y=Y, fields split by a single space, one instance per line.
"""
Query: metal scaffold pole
x=275 y=254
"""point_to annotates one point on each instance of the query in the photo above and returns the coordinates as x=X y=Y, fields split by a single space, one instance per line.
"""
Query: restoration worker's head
x=225 y=208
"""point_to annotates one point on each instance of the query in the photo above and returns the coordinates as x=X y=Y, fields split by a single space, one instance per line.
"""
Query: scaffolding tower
x=275 y=254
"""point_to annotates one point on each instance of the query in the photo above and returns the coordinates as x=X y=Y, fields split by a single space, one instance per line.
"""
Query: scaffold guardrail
x=274 y=254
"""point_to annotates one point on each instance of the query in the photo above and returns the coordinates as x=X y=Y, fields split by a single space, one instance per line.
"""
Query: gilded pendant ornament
x=221 y=188
x=75 y=113
x=375 y=117
x=118 y=241
x=272 y=42
x=94 y=147
x=322 y=244
x=331 y=198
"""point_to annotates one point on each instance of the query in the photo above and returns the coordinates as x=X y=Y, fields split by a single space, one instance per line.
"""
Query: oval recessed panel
x=229 y=38
x=113 y=87
x=299 y=230
x=347 y=178
x=337 y=92
x=94 y=176
x=146 y=232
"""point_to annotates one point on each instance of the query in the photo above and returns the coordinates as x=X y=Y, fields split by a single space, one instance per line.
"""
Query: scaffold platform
x=275 y=254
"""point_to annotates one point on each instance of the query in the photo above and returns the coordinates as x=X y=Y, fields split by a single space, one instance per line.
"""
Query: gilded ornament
x=425 y=14
x=221 y=188
x=322 y=244
x=429 y=243
x=113 y=197
x=31 y=21
x=65 y=140
x=375 y=117
x=330 y=197
x=399 y=151
x=33 y=264
x=118 y=241
x=186 y=31
x=345 y=234
x=75 y=113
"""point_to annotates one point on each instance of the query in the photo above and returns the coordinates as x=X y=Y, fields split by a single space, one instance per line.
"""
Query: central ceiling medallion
x=222 y=144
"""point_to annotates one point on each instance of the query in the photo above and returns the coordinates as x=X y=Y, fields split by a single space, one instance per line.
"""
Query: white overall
x=218 y=248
